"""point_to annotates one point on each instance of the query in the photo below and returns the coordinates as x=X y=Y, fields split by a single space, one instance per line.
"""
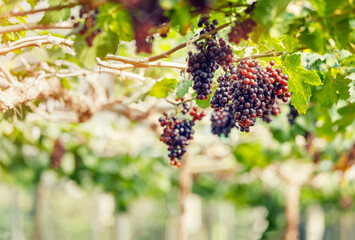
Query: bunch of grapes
x=241 y=29
x=220 y=97
x=89 y=15
x=146 y=15
x=254 y=90
x=57 y=154
x=292 y=115
x=209 y=56
x=280 y=82
x=178 y=133
x=222 y=121
x=275 y=110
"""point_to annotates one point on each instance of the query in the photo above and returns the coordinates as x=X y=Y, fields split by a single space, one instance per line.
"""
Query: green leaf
x=55 y=16
x=300 y=82
x=351 y=77
x=183 y=87
x=65 y=83
x=106 y=42
x=118 y=22
x=332 y=90
x=203 y=103
x=348 y=116
x=340 y=31
x=250 y=155
x=266 y=11
x=180 y=17
x=324 y=7
x=314 y=38
x=162 y=88
x=33 y=3
x=86 y=55
x=291 y=43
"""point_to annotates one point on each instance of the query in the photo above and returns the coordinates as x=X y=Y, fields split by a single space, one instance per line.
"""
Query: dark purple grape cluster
x=202 y=66
x=177 y=133
x=242 y=28
x=253 y=91
x=220 y=98
x=146 y=15
x=57 y=154
x=222 y=121
x=275 y=110
x=209 y=56
x=292 y=115
x=89 y=15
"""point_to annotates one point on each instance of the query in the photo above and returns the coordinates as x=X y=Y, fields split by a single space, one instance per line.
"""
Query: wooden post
x=292 y=197
x=185 y=186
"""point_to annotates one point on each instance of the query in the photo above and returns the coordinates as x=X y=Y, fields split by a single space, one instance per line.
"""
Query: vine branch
x=33 y=11
x=37 y=42
x=182 y=45
x=34 y=26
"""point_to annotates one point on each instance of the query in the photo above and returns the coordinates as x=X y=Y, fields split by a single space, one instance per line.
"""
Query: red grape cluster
x=241 y=29
x=89 y=15
x=222 y=121
x=146 y=15
x=57 y=154
x=178 y=133
x=279 y=81
x=253 y=91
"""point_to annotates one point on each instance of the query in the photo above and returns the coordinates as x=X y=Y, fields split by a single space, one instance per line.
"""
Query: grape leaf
x=347 y=117
x=106 y=42
x=351 y=77
x=181 y=17
x=33 y=3
x=203 y=103
x=333 y=89
x=162 y=88
x=291 y=43
x=314 y=38
x=300 y=82
x=86 y=55
x=55 y=16
x=183 y=87
x=266 y=11
x=324 y=7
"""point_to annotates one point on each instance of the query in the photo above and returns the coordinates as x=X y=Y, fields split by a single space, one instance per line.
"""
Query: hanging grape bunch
x=222 y=121
x=203 y=63
x=242 y=27
x=254 y=91
x=177 y=133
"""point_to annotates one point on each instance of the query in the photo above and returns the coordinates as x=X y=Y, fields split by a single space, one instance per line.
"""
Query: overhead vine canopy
x=238 y=60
